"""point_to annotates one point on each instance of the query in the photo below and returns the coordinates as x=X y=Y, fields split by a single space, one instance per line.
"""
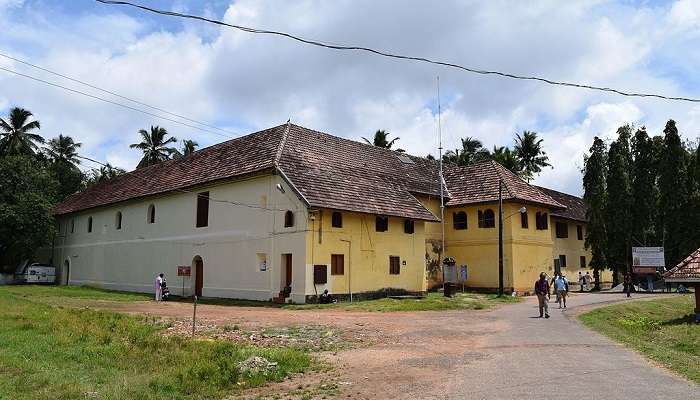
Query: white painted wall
x=130 y=258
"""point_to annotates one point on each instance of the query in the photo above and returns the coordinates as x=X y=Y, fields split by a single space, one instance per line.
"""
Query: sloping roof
x=327 y=171
x=576 y=208
x=478 y=183
x=687 y=270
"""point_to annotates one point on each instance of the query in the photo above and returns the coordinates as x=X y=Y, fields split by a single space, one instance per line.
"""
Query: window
x=337 y=264
x=202 y=210
x=408 y=226
x=541 y=221
x=72 y=226
x=459 y=220
x=337 y=219
x=288 y=219
x=118 y=220
x=89 y=224
x=562 y=229
x=487 y=219
x=582 y=261
x=562 y=260
x=394 y=265
x=382 y=224
x=320 y=274
x=579 y=232
x=151 y=214
x=523 y=220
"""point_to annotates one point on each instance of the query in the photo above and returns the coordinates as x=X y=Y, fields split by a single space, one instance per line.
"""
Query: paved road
x=558 y=358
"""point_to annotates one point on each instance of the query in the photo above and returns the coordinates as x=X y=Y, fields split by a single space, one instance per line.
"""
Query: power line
x=90 y=85
x=112 y=102
x=399 y=56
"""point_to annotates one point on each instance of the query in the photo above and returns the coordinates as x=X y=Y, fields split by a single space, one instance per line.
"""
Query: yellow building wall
x=573 y=249
x=366 y=254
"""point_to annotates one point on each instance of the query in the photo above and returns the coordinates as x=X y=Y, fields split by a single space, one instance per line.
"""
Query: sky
x=241 y=82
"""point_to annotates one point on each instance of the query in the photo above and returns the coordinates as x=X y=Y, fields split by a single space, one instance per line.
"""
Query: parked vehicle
x=39 y=273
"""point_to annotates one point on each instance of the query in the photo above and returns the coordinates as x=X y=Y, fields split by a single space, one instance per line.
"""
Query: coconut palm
x=528 y=149
x=15 y=133
x=63 y=149
x=104 y=173
x=472 y=151
x=507 y=158
x=154 y=146
x=188 y=146
x=381 y=139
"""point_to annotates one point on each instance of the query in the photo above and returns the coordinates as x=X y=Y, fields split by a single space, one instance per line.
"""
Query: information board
x=648 y=257
x=184 y=270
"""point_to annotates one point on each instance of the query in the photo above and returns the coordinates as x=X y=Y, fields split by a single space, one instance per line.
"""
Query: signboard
x=184 y=270
x=644 y=270
x=648 y=257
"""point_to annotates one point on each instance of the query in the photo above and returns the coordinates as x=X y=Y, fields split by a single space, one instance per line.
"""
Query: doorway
x=198 y=275
x=65 y=275
x=287 y=263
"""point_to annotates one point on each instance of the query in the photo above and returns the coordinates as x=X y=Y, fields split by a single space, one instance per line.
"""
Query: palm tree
x=63 y=149
x=528 y=149
x=381 y=139
x=507 y=158
x=15 y=133
x=472 y=151
x=188 y=146
x=154 y=146
x=104 y=173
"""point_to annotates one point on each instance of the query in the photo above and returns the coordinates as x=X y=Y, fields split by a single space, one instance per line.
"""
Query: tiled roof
x=478 y=183
x=576 y=208
x=327 y=171
x=687 y=270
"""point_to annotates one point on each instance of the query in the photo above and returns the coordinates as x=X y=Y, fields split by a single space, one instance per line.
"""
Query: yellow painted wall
x=366 y=253
x=573 y=248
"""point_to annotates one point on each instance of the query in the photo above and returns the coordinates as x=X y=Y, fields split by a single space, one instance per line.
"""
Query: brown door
x=288 y=270
x=198 y=277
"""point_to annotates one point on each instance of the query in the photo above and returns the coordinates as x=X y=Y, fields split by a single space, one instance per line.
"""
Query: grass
x=53 y=352
x=432 y=302
x=663 y=330
x=60 y=293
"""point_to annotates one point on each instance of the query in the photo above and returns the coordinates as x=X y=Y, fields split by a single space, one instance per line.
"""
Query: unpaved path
x=499 y=354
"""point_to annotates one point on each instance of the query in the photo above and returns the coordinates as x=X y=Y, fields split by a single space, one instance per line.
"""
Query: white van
x=40 y=273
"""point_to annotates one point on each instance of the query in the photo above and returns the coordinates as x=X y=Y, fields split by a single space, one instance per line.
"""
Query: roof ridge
x=495 y=165
x=280 y=148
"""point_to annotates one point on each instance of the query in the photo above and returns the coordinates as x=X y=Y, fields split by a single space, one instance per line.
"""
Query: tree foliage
x=528 y=149
x=154 y=146
x=594 y=193
x=16 y=133
x=381 y=139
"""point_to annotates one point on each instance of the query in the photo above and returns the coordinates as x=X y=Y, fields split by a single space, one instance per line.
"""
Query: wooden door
x=288 y=270
x=198 y=277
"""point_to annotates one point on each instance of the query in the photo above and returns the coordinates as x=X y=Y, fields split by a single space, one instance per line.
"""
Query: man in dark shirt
x=542 y=292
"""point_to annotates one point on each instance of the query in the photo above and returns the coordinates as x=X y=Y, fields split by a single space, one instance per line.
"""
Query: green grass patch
x=431 y=302
x=663 y=330
x=51 y=352
x=47 y=293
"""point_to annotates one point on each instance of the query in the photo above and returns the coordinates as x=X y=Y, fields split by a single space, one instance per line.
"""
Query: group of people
x=543 y=291
x=584 y=280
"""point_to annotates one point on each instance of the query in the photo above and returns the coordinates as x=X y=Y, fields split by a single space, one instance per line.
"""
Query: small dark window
x=582 y=261
x=72 y=226
x=562 y=261
x=288 y=219
x=459 y=220
x=579 y=232
x=320 y=274
x=487 y=219
x=382 y=224
x=394 y=265
x=118 y=220
x=541 y=221
x=409 y=226
x=151 y=214
x=89 y=224
x=337 y=219
x=202 y=210
x=523 y=220
x=562 y=229
x=337 y=264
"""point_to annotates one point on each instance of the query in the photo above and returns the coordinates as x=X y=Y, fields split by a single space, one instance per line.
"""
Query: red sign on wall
x=184 y=270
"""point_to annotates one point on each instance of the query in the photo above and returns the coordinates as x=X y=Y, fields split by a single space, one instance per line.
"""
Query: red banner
x=184 y=270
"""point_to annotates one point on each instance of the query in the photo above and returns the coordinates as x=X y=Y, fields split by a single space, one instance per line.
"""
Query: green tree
x=154 y=146
x=472 y=151
x=63 y=161
x=619 y=203
x=644 y=189
x=528 y=149
x=381 y=139
x=102 y=174
x=27 y=194
x=673 y=194
x=63 y=149
x=189 y=146
x=16 y=135
x=507 y=158
x=594 y=193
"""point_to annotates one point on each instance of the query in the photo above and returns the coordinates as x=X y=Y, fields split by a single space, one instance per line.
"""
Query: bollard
x=194 y=315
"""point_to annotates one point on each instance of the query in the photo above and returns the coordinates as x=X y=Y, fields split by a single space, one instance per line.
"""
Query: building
x=288 y=212
x=687 y=272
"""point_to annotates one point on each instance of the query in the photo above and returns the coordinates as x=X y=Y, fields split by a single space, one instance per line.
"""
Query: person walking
x=628 y=283
x=561 y=285
x=543 y=295
x=158 y=286
x=581 y=281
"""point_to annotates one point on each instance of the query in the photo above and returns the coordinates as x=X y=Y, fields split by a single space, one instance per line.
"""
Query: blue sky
x=242 y=82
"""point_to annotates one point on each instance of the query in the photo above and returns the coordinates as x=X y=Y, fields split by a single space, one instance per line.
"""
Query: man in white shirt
x=157 y=286
x=561 y=285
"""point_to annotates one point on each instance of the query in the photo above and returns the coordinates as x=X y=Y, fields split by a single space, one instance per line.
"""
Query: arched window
x=288 y=219
x=542 y=221
x=409 y=226
x=72 y=225
x=487 y=219
x=381 y=224
x=118 y=220
x=337 y=219
x=459 y=220
x=151 y=214
x=89 y=224
x=523 y=220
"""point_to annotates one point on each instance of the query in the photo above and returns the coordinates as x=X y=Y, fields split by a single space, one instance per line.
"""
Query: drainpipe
x=349 y=266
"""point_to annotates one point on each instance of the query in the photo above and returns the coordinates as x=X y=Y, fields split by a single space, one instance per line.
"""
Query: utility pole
x=500 y=238
x=441 y=179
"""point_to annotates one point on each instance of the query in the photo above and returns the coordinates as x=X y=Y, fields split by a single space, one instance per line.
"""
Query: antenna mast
x=442 y=180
